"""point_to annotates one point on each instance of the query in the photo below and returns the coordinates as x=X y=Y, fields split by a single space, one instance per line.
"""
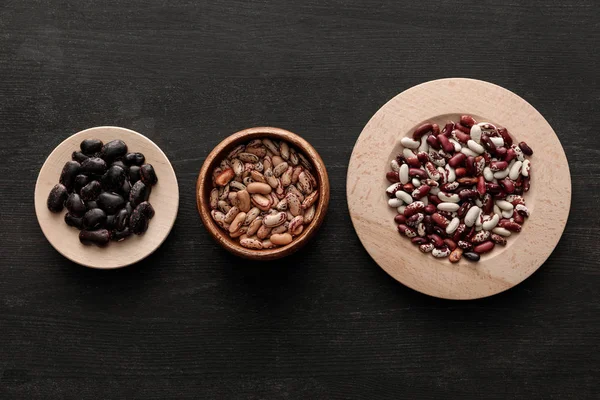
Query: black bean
x=68 y=174
x=121 y=219
x=91 y=191
x=99 y=237
x=94 y=165
x=110 y=222
x=110 y=202
x=146 y=209
x=134 y=158
x=126 y=189
x=75 y=205
x=138 y=221
x=80 y=181
x=118 y=236
x=113 y=179
x=139 y=192
x=78 y=156
x=134 y=174
x=94 y=219
x=148 y=175
x=57 y=197
x=91 y=204
x=91 y=146
x=121 y=164
x=113 y=150
x=73 y=221
x=129 y=207
x=472 y=256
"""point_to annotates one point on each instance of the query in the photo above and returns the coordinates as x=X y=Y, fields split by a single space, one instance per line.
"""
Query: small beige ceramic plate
x=548 y=200
x=164 y=198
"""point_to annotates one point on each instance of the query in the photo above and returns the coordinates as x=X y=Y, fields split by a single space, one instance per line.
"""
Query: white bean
x=401 y=209
x=488 y=174
x=526 y=167
x=395 y=166
x=515 y=171
x=416 y=183
x=407 y=153
x=448 y=206
x=476 y=133
x=507 y=214
x=472 y=216
x=476 y=147
x=504 y=205
x=468 y=152
x=405 y=197
x=491 y=224
x=403 y=173
x=501 y=174
x=501 y=231
x=453 y=225
x=424 y=146
x=450 y=174
x=448 y=197
x=498 y=141
x=395 y=203
x=457 y=145
x=409 y=143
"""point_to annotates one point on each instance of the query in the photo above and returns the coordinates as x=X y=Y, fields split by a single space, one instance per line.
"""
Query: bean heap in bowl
x=264 y=194
x=105 y=190
x=459 y=191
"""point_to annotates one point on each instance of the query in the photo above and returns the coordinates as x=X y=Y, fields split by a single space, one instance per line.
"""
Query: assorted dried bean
x=264 y=194
x=105 y=190
x=459 y=191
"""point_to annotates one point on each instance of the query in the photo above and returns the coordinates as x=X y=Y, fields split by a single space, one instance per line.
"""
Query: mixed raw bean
x=105 y=190
x=264 y=194
x=459 y=190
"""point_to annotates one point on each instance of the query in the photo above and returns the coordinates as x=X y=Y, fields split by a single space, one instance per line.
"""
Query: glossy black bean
x=122 y=165
x=134 y=158
x=121 y=219
x=472 y=256
x=113 y=150
x=110 y=222
x=94 y=165
x=100 y=237
x=94 y=219
x=68 y=174
x=148 y=175
x=138 y=221
x=146 y=209
x=110 y=202
x=126 y=189
x=79 y=156
x=76 y=222
x=91 y=204
x=57 y=197
x=75 y=205
x=113 y=179
x=139 y=193
x=80 y=181
x=134 y=174
x=118 y=236
x=129 y=207
x=91 y=146
x=91 y=191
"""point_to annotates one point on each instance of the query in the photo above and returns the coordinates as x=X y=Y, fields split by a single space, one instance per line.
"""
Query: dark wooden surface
x=192 y=321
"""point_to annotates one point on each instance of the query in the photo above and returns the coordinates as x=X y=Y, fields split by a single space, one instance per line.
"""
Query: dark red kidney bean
x=462 y=128
x=492 y=187
x=433 y=199
x=75 y=205
x=417 y=173
x=505 y=136
x=134 y=174
x=500 y=152
x=518 y=218
x=78 y=156
x=91 y=146
x=433 y=142
x=91 y=191
x=423 y=157
x=99 y=237
x=436 y=240
x=510 y=155
x=138 y=221
x=460 y=171
x=413 y=162
x=113 y=150
x=487 y=204
x=420 y=192
x=94 y=219
x=526 y=149
x=500 y=195
x=467 y=194
x=139 y=193
x=57 y=197
x=440 y=220
x=470 y=165
x=80 y=181
x=468 y=181
x=147 y=174
x=404 y=230
x=496 y=166
x=68 y=174
x=449 y=187
x=448 y=128
x=526 y=184
x=484 y=247
x=110 y=202
x=419 y=240
x=421 y=130
x=91 y=204
x=507 y=185
x=471 y=256
x=118 y=236
x=146 y=209
x=415 y=219
x=408 y=188
x=430 y=209
x=438 y=230
x=481 y=185
x=501 y=240
x=457 y=160
x=460 y=231
x=435 y=129
x=93 y=165
x=446 y=145
x=134 y=159
x=510 y=225
x=446 y=214
x=467 y=120
x=392 y=176
x=400 y=159
x=487 y=142
x=461 y=136
x=76 y=222
x=400 y=219
x=126 y=189
x=113 y=178
x=463 y=209
x=470 y=233
x=450 y=243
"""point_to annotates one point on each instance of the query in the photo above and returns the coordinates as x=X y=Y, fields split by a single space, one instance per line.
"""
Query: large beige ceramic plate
x=437 y=101
x=164 y=198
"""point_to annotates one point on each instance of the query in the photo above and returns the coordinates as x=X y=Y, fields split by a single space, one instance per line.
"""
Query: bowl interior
x=204 y=188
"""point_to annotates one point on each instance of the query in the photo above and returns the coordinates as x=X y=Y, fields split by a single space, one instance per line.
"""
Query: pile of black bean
x=105 y=190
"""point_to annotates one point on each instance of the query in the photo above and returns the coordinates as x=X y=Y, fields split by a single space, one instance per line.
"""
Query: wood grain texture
x=192 y=321
x=164 y=199
x=548 y=201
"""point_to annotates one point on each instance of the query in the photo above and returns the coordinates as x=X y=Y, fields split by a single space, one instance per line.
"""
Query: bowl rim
x=203 y=187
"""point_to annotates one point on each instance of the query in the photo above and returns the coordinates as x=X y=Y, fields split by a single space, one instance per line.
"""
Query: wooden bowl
x=204 y=187
x=164 y=198
x=548 y=200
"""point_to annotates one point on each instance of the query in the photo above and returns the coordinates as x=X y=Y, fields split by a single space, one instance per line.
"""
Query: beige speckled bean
x=284 y=149
x=304 y=184
x=254 y=226
x=261 y=201
x=231 y=214
x=286 y=178
x=274 y=220
x=214 y=199
x=273 y=148
x=309 y=214
x=258 y=187
x=238 y=166
x=250 y=243
x=280 y=229
x=240 y=232
x=282 y=205
x=294 y=189
x=223 y=206
x=263 y=232
x=294 y=205
x=294 y=160
x=281 y=239
x=296 y=225
x=243 y=199
x=280 y=169
x=237 y=221
x=267 y=244
x=310 y=200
